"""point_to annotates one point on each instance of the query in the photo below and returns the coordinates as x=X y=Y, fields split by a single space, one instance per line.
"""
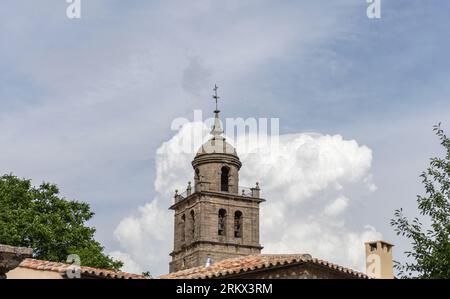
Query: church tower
x=215 y=219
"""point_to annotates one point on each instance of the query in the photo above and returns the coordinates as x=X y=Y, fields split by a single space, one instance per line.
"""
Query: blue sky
x=86 y=103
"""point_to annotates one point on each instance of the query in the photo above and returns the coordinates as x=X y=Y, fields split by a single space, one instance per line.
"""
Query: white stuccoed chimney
x=379 y=263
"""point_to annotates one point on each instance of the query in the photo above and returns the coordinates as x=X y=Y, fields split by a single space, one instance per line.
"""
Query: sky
x=88 y=104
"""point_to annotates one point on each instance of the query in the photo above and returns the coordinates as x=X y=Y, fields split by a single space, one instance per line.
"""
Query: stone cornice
x=195 y=243
x=218 y=194
x=216 y=158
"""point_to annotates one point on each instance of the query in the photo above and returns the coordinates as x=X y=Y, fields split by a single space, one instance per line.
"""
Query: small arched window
x=192 y=224
x=183 y=228
x=222 y=225
x=238 y=224
x=225 y=171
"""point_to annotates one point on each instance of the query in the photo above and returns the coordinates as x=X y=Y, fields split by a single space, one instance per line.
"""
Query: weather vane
x=216 y=97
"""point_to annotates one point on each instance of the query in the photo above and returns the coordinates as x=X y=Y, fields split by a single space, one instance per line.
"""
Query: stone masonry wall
x=193 y=249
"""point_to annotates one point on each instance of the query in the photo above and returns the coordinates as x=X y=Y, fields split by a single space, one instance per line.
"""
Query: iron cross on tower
x=216 y=97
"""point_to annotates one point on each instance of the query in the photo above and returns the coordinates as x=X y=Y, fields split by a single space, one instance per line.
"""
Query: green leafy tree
x=53 y=226
x=430 y=252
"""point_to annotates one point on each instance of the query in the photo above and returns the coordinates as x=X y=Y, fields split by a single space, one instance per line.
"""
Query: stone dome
x=217 y=146
x=217 y=143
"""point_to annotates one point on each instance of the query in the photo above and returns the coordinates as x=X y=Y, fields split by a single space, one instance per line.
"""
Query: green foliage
x=430 y=252
x=54 y=227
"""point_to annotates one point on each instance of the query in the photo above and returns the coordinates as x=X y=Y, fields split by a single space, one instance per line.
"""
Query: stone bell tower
x=215 y=219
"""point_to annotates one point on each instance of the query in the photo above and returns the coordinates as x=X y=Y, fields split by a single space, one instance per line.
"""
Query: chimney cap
x=379 y=241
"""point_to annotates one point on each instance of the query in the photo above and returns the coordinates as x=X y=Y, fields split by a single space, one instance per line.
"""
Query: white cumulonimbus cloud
x=308 y=181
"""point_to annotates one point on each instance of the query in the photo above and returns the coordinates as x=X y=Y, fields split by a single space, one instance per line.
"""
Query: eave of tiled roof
x=247 y=264
x=89 y=271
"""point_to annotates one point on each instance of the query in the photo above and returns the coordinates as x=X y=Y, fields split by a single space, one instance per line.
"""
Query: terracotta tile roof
x=62 y=268
x=250 y=263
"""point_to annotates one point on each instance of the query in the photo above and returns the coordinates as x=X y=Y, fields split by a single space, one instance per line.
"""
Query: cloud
x=91 y=119
x=336 y=207
x=130 y=265
x=307 y=180
x=145 y=237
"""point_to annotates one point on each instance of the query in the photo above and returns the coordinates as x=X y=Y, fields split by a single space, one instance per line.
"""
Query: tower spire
x=217 y=130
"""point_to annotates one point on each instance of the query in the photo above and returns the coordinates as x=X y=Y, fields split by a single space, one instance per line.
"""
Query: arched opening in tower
x=238 y=224
x=222 y=222
x=183 y=228
x=224 y=179
x=192 y=225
